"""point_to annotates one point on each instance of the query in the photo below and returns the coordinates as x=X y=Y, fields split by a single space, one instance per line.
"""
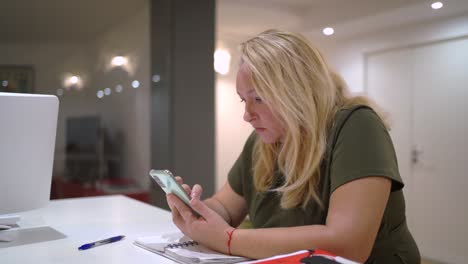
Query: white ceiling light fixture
x=74 y=79
x=222 y=60
x=118 y=61
x=156 y=78
x=437 y=5
x=107 y=91
x=73 y=82
x=328 y=31
x=119 y=88
x=135 y=84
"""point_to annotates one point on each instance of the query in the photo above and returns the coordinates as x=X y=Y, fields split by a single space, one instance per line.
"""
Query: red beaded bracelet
x=229 y=233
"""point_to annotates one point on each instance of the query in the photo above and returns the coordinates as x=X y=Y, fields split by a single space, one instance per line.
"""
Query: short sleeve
x=241 y=171
x=364 y=148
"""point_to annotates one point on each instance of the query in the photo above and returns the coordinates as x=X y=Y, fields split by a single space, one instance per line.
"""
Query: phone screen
x=169 y=184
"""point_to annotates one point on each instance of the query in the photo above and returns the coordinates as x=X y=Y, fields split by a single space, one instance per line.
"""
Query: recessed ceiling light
x=437 y=5
x=328 y=31
x=107 y=91
x=119 y=88
x=135 y=84
x=119 y=61
x=74 y=79
x=156 y=78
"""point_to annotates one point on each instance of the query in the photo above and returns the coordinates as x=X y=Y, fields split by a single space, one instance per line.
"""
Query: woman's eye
x=242 y=100
x=258 y=100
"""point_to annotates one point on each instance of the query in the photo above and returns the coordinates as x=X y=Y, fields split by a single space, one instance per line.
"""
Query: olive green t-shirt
x=358 y=146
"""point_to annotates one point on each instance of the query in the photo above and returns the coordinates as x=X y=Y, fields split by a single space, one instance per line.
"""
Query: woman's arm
x=353 y=220
x=354 y=216
x=228 y=204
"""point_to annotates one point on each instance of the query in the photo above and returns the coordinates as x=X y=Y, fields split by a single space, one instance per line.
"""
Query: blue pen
x=101 y=242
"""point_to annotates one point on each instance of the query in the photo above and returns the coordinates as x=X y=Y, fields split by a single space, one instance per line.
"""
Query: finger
x=187 y=189
x=179 y=180
x=182 y=208
x=202 y=208
x=196 y=192
x=177 y=219
x=169 y=201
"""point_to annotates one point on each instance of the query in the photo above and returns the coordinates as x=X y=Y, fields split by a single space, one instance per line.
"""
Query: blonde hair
x=294 y=80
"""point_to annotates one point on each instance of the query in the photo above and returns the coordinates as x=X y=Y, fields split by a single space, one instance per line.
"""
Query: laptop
x=28 y=124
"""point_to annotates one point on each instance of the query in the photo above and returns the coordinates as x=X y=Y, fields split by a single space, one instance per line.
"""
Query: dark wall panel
x=183 y=101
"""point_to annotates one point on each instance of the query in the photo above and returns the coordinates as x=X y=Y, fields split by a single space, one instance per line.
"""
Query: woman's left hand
x=210 y=229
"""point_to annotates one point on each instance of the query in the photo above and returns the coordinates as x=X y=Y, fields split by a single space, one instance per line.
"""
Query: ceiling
x=77 y=21
x=240 y=18
x=62 y=20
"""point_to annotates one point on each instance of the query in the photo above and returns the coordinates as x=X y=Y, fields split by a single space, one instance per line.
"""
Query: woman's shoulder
x=358 y=116
x=355 y=109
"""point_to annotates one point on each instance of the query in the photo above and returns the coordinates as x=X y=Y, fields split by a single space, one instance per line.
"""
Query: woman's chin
x=267 y=139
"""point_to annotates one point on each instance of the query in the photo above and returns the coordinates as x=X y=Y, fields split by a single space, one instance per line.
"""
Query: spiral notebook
x=182 y=249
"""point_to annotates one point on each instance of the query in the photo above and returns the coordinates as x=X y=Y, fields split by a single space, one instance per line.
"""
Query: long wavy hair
x=301 y=90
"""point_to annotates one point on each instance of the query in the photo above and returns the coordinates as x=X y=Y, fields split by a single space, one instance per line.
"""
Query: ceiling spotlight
x=119 y=88
x=119 y=61
x=328 y=31
x=156 y=78
x=100 y=94
x=107 y=91
x=437 y=5
x=74 y=79
x=135 y=84
x=72 y=82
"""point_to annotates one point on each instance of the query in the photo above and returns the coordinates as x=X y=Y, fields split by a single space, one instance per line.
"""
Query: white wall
x=347 y=55
x=231 y=129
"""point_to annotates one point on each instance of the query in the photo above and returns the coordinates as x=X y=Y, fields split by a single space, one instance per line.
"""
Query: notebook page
x=160 y=242
x=193 y=253
x=200 y=252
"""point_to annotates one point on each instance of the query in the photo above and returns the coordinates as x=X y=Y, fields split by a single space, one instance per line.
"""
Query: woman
x=320 y=171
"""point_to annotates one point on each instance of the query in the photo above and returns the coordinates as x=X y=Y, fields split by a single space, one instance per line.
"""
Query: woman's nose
x=249 y=114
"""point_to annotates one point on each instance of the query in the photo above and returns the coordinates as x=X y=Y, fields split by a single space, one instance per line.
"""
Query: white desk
x=84 y=220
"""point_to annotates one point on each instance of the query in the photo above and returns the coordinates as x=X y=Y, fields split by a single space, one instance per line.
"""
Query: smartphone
x=169 y=184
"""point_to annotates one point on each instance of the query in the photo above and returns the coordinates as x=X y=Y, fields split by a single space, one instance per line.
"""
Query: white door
x=441 y=151
x=430 y=133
